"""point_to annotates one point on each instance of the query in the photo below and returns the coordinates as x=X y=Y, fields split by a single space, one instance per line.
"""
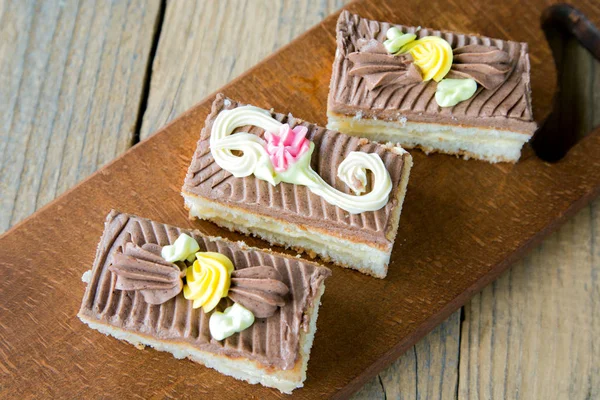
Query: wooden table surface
x=82 y=81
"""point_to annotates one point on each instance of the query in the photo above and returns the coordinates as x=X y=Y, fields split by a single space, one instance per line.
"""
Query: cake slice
x=435 y=90
x=200 y=297
x=298 y=185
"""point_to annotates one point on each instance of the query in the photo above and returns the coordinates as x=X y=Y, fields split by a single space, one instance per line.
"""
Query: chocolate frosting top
x=270 y=341
x=293 y=203
x=506 y=106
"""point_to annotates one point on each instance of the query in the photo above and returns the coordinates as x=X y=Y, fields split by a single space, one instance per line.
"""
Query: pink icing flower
x=287 y=147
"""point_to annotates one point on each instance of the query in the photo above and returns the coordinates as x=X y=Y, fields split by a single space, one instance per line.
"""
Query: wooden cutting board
x=463 y=223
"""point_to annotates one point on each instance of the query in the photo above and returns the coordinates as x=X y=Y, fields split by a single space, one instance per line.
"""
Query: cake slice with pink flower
x=298 y=185
x=287 y=147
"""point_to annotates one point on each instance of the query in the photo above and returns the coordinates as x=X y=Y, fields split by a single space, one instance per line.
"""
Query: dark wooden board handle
x=560 y=131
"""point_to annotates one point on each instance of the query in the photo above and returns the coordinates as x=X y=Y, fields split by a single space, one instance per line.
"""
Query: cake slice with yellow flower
x=200 y=297
x=440 y=91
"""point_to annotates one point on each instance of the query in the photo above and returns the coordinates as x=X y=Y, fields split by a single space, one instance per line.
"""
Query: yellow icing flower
x=432 y=54
x=208 y=280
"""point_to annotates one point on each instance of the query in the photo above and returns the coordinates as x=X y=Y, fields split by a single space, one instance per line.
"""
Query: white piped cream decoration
x=255 y=160
x=183 y=248
x=233 y=320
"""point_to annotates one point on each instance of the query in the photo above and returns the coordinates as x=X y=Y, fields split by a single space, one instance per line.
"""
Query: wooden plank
x=205 y=44
x=55 y=123
x=534 y=332
x=72 y=75
x=429 y=370
x=31 y=276
x=439 y=264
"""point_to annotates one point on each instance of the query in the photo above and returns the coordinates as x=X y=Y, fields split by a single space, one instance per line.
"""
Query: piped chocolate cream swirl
x=260 y=289
x=488 y=65
x=378 y=68
x=143 y=269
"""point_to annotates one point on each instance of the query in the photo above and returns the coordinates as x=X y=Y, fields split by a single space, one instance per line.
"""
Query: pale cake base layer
x=490 y=145
x=239 y=368
x=345 y=253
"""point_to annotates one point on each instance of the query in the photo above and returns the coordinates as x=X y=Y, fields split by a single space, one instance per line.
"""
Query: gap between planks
x=160 y=19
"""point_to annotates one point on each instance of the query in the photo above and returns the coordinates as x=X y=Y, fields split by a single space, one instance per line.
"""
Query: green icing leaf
x=450 y=92
x=397 y=39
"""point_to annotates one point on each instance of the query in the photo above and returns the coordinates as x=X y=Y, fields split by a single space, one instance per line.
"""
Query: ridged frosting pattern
x=141 y=268
x=294 y=203
x=260 y=289
x=508 y=106
x=271 y=341
x=488 y=65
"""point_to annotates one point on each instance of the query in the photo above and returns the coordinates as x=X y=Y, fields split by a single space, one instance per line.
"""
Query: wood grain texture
x=581 y=79
x=429 y=370
x=205 y=44
x=41 y=296
x=534 y=332
x=95 y=360
x=72 y=75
